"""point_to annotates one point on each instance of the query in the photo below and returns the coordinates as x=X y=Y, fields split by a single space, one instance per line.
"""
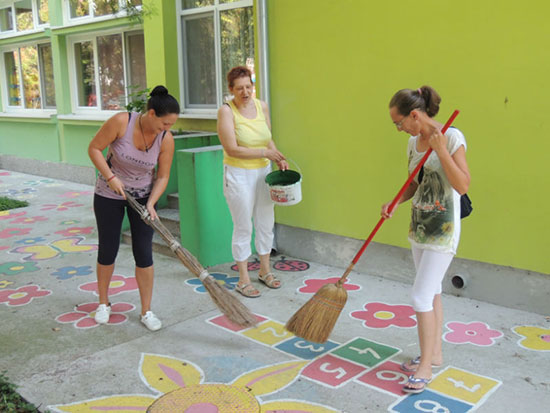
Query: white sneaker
x=102 y=314
x=151 y=321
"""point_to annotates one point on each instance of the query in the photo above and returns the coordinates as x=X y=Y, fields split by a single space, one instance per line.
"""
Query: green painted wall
x=334 y=66
x=39 y=135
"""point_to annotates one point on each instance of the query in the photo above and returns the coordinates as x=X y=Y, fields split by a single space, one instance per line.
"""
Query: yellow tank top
x=250 y=133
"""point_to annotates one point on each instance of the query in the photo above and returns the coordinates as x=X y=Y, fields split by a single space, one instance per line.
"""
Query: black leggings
x=109 y=214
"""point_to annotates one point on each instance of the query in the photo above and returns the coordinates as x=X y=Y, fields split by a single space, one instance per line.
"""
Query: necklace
x=142 y=135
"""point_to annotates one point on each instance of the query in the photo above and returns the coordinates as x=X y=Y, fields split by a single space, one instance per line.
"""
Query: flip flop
x=416 y=380
x=248 y=290
x=414 y=362
x=269 y=279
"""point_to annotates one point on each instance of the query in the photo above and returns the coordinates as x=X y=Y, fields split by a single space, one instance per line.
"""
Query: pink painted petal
x=91 y=286
x=70 y=317
x=117 y=318
x=122 y=307
x=87 y=322
x=87 y=307
x=172 y=374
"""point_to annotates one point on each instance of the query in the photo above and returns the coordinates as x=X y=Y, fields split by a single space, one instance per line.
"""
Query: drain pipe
x=263 y=49
x=264 y=69
x=459 y=281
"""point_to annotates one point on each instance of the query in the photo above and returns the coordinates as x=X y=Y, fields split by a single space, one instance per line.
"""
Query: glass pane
x=200 y=82
x=43 y=11
x=111 y=71
x=11 y=60
x=23 y=15
x=104 y=7
x=79 y=8
x=31 y=79
x=6 y=22
x=237 y=42
x=192 y=4
x=46 y=74
x=228 y=1
x=135 y=48
x=84 y=63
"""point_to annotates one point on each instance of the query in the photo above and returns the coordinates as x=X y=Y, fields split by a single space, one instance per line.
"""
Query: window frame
x=6 y=107
x=215 y=9
x=73 y=78
x=35 y=20
x=71 y=21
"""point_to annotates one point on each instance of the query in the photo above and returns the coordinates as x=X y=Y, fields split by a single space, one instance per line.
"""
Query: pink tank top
x=135 y=168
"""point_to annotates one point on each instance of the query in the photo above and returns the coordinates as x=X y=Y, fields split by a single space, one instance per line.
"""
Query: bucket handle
x=298 y=166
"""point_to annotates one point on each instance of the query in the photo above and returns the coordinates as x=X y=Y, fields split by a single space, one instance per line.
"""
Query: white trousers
x=247 y=196
x=431 y=267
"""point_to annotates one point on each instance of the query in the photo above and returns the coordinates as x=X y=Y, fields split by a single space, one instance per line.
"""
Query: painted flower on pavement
x=221 y=278
x=14 y=232
x=119 y=284
x=3 y=247
x=22 y=295
x=16 y=267
x=181 y=382
x=75 y=194
x=28 y=220
x=69 y=222
x=381 y=315
x=476 y=332
x=17 y=192
x=75 y=231
x=4 y=215
x=533 y=338
x=36 y=182
x=312 y=285
x=83 y=315
x=30 y=241
x=64 y=273
x=60 y=247
x=5 y=283
x=60 y=207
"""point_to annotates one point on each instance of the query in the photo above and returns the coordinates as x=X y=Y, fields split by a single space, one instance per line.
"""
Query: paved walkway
x=496 y=359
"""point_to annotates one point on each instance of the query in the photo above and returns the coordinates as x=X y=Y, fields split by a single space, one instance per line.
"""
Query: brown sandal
x=248 y=290
x=270 y=280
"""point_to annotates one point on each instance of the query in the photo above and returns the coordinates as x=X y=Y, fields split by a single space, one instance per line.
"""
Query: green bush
x=7 y=203
x=11 y=401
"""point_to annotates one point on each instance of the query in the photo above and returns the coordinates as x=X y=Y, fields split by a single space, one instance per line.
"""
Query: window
x=97 y=8
x=216 y=36
x=28 y=76
x=23 y=15
x=107 y=68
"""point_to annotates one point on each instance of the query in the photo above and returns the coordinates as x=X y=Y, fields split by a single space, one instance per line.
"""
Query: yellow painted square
x=269 y=333
x=463 y=385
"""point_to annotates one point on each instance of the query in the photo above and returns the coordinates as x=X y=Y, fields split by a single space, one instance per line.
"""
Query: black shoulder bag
x=465 y=201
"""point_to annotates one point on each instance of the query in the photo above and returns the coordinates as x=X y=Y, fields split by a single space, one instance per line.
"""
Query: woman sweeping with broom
x=435 y=223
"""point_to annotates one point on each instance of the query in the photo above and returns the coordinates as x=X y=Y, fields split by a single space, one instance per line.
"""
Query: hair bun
x=159 y=91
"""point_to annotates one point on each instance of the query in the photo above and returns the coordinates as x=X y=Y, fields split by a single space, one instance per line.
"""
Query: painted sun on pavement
x=177 y=380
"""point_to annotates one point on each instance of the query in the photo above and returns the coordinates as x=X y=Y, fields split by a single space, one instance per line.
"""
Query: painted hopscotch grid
x=369 y=363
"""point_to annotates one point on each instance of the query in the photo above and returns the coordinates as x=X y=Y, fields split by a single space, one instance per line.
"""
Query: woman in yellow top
x=244 y=129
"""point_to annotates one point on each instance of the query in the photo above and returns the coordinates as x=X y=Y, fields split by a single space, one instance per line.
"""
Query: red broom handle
x=403 y=189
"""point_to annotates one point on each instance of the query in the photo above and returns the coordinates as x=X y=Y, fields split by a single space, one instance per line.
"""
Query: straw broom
x=229 y=305
x=315 y=320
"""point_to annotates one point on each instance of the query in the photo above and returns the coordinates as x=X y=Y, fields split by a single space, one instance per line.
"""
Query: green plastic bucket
x=285 y=187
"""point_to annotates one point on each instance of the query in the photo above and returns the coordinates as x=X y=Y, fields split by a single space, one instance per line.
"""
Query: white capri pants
x=431 y=267
x=247 y=196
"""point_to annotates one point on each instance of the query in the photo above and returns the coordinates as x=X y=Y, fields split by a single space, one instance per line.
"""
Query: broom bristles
x=315 y=320
x=228 y=304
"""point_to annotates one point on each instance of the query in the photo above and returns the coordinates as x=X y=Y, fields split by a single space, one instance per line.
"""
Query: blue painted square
x=429 y=401
x=305 y=349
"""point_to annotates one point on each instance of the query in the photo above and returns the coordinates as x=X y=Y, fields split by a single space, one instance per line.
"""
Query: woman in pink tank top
x=139 y=158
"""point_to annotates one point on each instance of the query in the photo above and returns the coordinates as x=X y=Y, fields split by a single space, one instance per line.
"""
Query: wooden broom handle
x=395 y=200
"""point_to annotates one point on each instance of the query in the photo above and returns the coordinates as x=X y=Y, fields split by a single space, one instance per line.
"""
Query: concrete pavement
x=496 y=359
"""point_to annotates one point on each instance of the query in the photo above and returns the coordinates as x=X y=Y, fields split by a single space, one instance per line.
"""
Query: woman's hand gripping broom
x=229 y=305
x=317 y=317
